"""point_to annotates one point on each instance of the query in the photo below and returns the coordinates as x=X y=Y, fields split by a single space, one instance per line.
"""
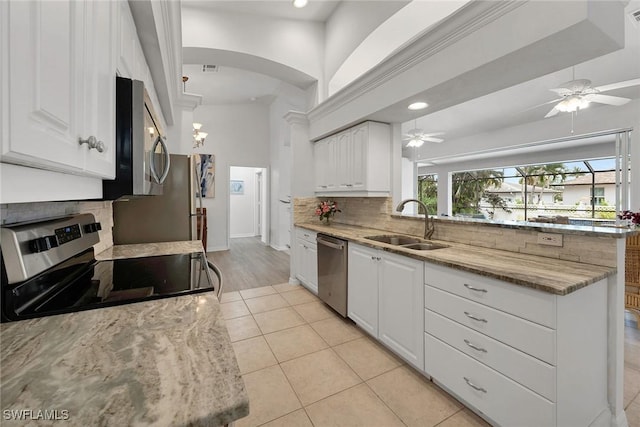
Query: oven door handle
x=218 y=273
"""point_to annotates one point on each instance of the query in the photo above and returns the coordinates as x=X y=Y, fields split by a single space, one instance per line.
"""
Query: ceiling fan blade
x=552 y=113
x=562 y=91
x=431 y=139
x=607 y=99
x=619 y=85
x=432 y=134
x=542 y=105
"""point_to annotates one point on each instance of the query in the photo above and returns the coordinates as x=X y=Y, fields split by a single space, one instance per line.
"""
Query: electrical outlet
x=550 y=239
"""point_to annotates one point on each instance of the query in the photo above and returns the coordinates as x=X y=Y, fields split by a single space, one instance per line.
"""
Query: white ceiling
x=316 y=10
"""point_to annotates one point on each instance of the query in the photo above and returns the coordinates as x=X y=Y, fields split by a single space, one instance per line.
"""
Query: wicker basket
x=632 y=277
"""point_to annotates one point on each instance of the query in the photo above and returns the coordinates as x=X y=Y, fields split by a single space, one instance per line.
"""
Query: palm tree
x=550 y=173
x=469 y=188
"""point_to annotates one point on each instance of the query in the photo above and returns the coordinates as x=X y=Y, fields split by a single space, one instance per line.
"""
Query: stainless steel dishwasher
x=332 y=272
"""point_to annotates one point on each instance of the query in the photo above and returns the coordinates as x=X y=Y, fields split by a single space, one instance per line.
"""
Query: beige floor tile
x=253 y=354
x=632 y=353
x=295 y=419
x=367 y=358
x=314 y=311
x=242 y=328
x=286 y=287
x=230 y=297
x=631 y=385
x=257 y=292
x=336 y=330
x=406 y=392
x=265 y=303
x=319 y=375
x=276 y=320
x=299 y=296
x=464 y=418
x=270 y=397
x=357 y=406
x=294 y=342
x=231 y=310
x=633 y=413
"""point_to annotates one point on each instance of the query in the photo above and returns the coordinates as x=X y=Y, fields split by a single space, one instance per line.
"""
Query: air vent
x=210 y=68
x=636 y=16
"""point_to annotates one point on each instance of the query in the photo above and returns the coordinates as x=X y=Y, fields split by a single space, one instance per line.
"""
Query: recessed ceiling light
x=300 y=3
x=418 y=106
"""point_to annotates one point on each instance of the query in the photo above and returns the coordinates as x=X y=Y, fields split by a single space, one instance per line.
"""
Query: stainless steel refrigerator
x=164 y=218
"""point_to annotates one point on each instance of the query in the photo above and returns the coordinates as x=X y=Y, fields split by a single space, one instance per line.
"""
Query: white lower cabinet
x=517 y=355
x=362 y=295
x=385 y=299
x=306 y=259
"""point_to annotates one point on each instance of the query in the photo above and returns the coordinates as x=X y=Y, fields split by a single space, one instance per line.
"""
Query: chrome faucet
x=429 y=226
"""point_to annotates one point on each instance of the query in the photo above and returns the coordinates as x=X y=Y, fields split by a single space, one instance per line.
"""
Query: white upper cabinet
x=61 y=85
x=355 y=162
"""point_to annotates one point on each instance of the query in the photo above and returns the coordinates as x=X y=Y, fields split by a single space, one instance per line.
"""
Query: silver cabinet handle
x=473 y=386
x=472 y=317
x=92 y=142
x=471 y=288
x=473 y=346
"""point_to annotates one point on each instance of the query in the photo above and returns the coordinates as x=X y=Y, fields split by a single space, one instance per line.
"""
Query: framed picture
x=206 y=166
x=237 y=186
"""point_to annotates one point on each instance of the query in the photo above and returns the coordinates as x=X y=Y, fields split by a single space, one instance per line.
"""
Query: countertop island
x=161 y=362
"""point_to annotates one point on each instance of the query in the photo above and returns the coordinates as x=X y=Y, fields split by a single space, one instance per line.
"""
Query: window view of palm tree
x=580 y=192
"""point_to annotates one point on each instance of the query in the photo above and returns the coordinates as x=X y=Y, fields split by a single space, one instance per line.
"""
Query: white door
x=362 y=293
x=358 y=156
x=401 y=312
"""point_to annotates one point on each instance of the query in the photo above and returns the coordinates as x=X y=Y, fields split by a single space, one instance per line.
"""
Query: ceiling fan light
x=197 y=126
x=415 y=143
x=572 y=103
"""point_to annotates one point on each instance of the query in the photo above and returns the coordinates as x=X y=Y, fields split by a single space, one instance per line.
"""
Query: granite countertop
x=150 y=249
x=551 y=275
x=161 y=362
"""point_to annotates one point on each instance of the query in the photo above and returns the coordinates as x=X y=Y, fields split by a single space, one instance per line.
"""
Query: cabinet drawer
x=531 y=338
x=522 y=368
x=530 y=304
x=501 y=399
x=307 y=235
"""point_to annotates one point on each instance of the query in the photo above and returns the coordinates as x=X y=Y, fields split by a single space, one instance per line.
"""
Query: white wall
x=242 y=207
x=238 y=136
x=297 y=44
x=409 y=184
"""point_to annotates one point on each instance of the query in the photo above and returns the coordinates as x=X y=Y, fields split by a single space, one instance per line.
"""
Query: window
x=428 y=192
x=597 y=196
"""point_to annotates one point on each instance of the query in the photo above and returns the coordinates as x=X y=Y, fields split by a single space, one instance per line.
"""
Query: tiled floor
x=303 y=365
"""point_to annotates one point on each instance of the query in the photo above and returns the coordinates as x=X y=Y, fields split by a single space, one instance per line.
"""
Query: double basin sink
x=407 y=242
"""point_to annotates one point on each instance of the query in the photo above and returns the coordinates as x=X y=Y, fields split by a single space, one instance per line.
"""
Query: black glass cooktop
x=82 y=283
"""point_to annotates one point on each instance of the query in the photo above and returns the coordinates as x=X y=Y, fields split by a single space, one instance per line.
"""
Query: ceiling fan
x=578 y=94
x=417 y=137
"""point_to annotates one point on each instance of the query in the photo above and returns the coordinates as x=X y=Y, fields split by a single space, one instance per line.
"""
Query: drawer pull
x=472 y=317
x=471 y=288
x=475 y=347
x=473 y=386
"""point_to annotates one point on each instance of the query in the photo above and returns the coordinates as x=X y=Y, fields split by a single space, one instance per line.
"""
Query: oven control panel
x=67 y=234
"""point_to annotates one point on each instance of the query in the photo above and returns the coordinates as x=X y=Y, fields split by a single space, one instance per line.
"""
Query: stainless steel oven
x=49 y=268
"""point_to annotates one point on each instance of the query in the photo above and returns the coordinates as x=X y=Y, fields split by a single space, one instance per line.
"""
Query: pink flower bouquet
x=325 y=210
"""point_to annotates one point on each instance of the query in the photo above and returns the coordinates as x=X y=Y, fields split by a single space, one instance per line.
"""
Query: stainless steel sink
x=395 y=239
x=425 y=246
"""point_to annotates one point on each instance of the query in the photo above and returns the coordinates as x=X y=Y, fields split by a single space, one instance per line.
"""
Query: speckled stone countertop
x=556 y=276
x=150 y=249
x=163 y=362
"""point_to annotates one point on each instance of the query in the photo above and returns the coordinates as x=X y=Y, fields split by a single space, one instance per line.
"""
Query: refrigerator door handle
x=152 y=161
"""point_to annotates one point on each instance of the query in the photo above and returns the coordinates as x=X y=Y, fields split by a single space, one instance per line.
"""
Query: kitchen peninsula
x=167 y=361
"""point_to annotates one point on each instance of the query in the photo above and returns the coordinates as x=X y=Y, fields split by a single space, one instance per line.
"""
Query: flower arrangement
x=633 y=216
x=325 y=210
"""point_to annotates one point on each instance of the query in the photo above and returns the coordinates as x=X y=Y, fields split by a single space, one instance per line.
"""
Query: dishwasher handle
x=320 y=240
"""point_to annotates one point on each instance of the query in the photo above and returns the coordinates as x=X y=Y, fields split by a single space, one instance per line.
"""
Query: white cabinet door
x=311 y=266
x=321 y=155
x=401 y=296
x=99 y=100
x=358 y=157
x=301 y=260
x=342 y=153
x=331 y=164
x=362 y=295
x=61 y=85
x=45 y=70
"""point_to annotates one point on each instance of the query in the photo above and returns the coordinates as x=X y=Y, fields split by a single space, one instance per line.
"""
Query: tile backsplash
x=102 y=210
x=376 y=212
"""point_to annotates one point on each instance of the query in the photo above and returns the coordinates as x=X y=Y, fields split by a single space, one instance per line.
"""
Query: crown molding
x=188 y=100
x=461 y=24
x=296 y=118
